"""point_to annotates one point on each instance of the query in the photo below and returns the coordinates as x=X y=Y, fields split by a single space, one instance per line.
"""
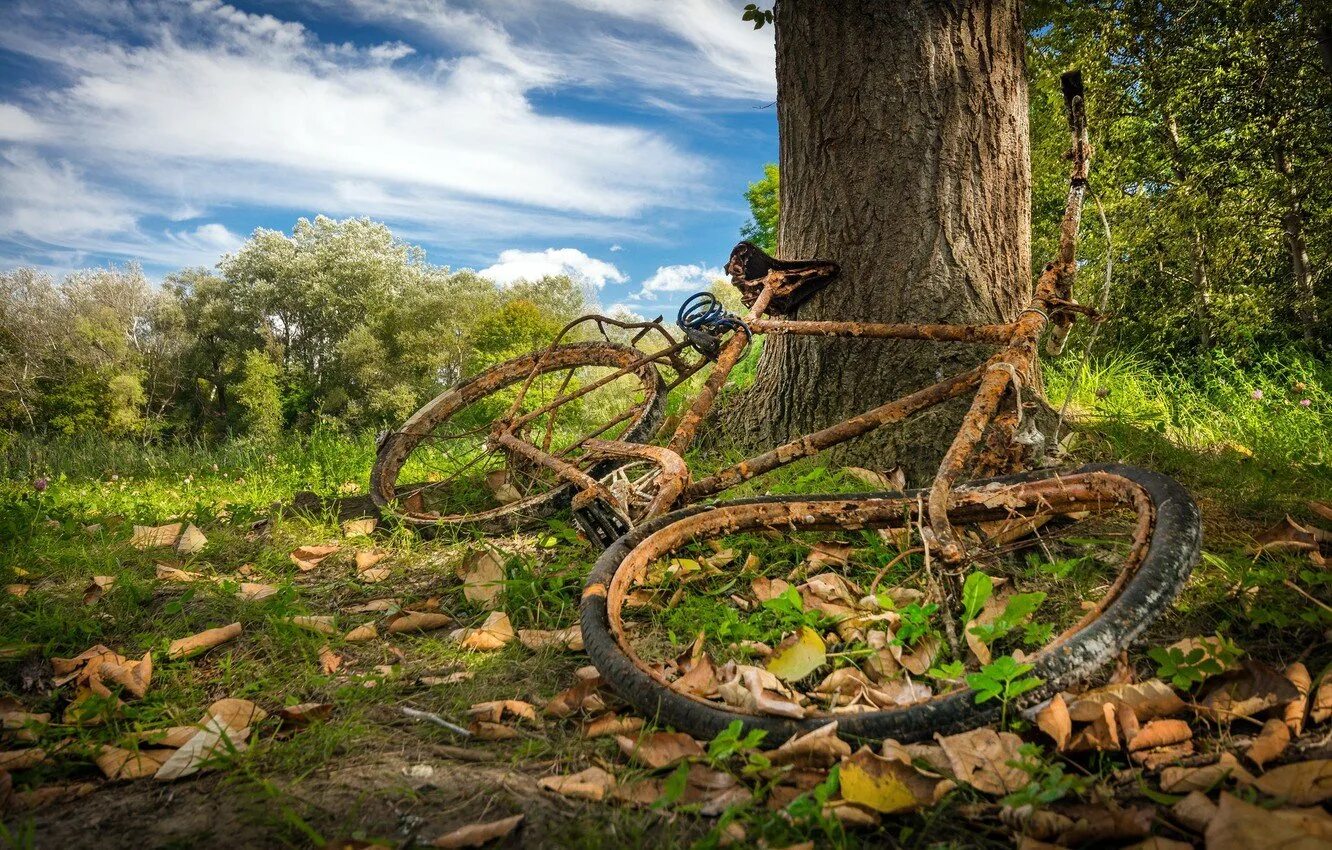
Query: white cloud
x=692 y=277
x=514 y=265
x=52 y=202
x=616 y=248
x=212 y=239
x=17 y=125
x=627 y=310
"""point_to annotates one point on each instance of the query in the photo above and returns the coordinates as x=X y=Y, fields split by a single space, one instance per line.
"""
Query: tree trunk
x=1292 y=220
x=904 y=158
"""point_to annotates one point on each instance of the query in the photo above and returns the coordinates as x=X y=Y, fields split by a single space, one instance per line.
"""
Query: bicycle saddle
x=750 y=266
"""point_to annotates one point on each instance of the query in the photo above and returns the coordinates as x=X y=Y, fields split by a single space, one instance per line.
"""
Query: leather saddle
x=795 y=281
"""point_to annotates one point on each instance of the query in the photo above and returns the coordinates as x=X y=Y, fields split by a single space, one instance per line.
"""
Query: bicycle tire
x=394 y=451
x=1168 y=558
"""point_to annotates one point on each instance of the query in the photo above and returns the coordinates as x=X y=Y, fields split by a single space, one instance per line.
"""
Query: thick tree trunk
x=904 y=158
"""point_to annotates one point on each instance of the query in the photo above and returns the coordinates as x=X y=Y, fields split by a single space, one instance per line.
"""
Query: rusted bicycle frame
x=773 y=289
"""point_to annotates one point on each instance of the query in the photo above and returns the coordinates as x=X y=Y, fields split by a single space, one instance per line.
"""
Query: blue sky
x=608 y=139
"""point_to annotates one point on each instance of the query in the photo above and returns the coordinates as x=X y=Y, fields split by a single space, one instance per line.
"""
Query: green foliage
x=976 y=592
x=1003 y=679
x=258 y=393
x=1048 y=782
x=759 y=16
x=915 y=623
x=1186 y=668
x=1020 y=606
x=764 y=198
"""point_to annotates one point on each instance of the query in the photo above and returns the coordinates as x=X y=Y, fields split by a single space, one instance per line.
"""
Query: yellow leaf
x=885 y=785
x=798 y=655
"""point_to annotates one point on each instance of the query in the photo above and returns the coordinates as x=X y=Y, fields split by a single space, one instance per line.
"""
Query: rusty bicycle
x=572 y=425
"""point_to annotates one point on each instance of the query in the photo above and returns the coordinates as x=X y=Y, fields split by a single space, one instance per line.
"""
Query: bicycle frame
x=1051 y=303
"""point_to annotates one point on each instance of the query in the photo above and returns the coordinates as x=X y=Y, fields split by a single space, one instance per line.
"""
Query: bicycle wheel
x=1141 y=528
x=440 y=468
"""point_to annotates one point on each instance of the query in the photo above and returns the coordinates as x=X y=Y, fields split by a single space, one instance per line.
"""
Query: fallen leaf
x=486 y=730
x=1294 y=712
x=1180 y=780
x=166 y=572
x=362 y=633
x=329 y=661
x=982 y=758
x=1102 y=734
x=885 y=785
x=1150 y=699
x=612 y=724
x=495 y=633
x=451 y=679
x=700 y=679
x=367 y=558
x=1054 y=721
x=27 y=801
x=581 y=696
x=1320 y=704
x=477 y=834
x=374 y=575
x=895 y=480
x=154 y=537
x=235 y=714
x=659 y=749
x=306 y=558
x=1238 y=825
x=359 y=527
x=497 y=481
x=172 y=737
x=1245 y=692
x=18 y=590
x=922 y=656
x=305 y=713
x=419 y=621
x=1304 y=783
x=215 y=740
x=820 y=748
x=765 y=588
x=851 y=815
x=1160 y=733
x=1286 y=536
x=133 y=676
x=97 y=588
x=252 y=591
x=321 y=623
x=188 y=647
x=798 y=655
x=482 y=574
x=1163 y=756
x=1270 y=742
x=12 y=760
x=1106 y=822
x=191 y=540
x=570 y=639
x=1195 y=811
x=496 y=711
x=591 y=784
x=116 y=763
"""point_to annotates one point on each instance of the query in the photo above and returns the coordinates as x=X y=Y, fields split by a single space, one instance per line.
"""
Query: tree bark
x=1292 y=221
x=904 y=158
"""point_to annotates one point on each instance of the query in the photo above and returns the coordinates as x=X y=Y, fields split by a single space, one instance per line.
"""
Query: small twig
x=950 y=631
x=1302 y=592
x=429 y=717
x=874 y=585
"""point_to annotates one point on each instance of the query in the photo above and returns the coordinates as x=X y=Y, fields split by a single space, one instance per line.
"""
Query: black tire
x=395 y=449
x=1170 y=556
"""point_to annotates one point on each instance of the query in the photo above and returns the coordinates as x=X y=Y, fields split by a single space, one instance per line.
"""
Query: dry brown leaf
x=1286 y=536
x=1270 y=742
x=1102 y=734
x=1162 y=756
x=659 y=749
x=133 y=676
x=419 y=621
x=18 y=590
x=486 y=730
x=1295 y=710
x=116 y=763
x=499 y=485
x=213 y=741
x=191 y=540
x=235 y=714
x=499 y=710
x=765 y=588
x=798 y=655
x=829 y=552
x=820 y=748
x=1238 y=825
x=612 y=724
x=362 y=633
x=27 y=801
x=1195 y=811
x=321 y=623
x=367 y=558
x=477 y=834
x=895 y=479
x=570 y=639
x=187 y=647
x=1245 y=692
x=921 y=657
x=1150 y=699
x=166 y=572
x=155 y=536
x=482 y=574
x=1320 y=704
x=1160 y=733
x=591 y=784
x=700 y=679
x=329 y=661
x=495 y=633
x=1304 y=783
x=581 y=696
x=305 y=713
x=306 y=558
x=359 y=527
x=172 y=737
x=1106 y=822
x=252 y=591
x=97 y=588
x=982 y=758
x=12 y=760
x=1054 y=721
x=1181 y=780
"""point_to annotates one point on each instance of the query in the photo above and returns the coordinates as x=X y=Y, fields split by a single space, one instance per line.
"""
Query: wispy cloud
x=691 y=277
x=515 y=265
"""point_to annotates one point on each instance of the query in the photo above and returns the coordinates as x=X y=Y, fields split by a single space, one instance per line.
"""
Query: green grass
x=1247 y=461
